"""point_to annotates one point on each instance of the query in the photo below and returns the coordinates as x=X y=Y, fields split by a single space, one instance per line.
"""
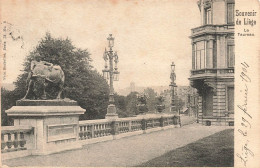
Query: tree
x=120 y=105
x=131 y=103
x=82 y=83
x=151 y=101
x=7 y=101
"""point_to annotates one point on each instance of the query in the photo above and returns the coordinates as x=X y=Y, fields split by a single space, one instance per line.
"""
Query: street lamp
x=176 y=119
x=173 y=85
x=112 y=74
x=110 y=40
x=173 y=67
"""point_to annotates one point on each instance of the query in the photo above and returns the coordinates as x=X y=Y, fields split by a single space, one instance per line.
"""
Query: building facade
x=213 y=61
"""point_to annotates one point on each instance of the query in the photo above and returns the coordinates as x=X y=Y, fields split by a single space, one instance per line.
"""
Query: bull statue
x=46 y=73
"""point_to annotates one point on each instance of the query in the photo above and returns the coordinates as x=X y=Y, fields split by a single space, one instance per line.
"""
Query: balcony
x=212 y=72
x=212 y=29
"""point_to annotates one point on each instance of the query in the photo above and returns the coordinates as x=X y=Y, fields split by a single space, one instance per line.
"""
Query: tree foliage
x=151 y=101
x=7 y=101
x=131 y=103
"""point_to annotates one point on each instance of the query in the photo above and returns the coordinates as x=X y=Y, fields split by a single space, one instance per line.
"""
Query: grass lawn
x=216 y=150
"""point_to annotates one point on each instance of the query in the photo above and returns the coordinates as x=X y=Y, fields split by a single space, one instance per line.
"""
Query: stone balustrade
x=17 y=141
x=23 y=138
x=105 y=128
x=136 y=125
x=211 y=29
x=94 y=128
x=42 y=127
x=15 y=138
x=213 y=71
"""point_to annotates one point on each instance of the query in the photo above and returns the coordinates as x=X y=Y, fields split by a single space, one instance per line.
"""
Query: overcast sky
x=149 y=34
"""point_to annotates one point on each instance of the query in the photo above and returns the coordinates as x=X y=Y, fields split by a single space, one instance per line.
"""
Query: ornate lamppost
x=112 y=74
x=173 y=85
x=176 y=119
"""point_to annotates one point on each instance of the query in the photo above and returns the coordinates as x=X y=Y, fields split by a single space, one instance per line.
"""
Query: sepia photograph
x=129 y=83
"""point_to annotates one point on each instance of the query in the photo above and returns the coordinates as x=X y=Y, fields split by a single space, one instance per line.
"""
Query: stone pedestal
x=56 y=123
x=111 y=112
x=173 y=109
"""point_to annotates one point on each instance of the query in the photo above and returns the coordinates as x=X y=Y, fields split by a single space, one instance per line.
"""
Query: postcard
x=120 y=83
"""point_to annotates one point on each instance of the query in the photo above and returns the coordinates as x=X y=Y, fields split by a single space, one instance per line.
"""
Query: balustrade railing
x=213 y=71
x=17 y=138
x=227 y=70
x=211 y=28
x=123 y=126
x=94 y=128
x=99 y=128
x=14 y=138
x=136 y=125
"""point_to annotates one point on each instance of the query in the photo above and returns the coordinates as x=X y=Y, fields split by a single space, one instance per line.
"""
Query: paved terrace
x=128 y=151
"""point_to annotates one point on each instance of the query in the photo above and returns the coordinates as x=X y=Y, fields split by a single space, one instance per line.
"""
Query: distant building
x=213 y=60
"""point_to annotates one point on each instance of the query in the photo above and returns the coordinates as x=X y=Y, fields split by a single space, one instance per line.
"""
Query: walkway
x=129 y=151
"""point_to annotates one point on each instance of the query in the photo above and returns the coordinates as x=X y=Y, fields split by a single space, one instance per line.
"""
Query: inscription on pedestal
x=61 y=132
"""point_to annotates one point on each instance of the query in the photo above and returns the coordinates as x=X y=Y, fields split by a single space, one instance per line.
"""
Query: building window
x=230 y=13
x=230 y=98
x=230 y=56
x=208 y=16
x=199 y=54
x=214 y=54
x=209 y=55
x=193 y=55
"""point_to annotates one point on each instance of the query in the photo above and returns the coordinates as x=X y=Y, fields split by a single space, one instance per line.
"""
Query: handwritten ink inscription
x=245 y=124
x=8 y=33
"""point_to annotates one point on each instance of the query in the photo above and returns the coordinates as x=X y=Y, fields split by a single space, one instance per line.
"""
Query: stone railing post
x=162 y=121
x=114 y=127
x=144 y=124
x=130 y=126
x=92 y=129
x=176 y=121
x=174 y=118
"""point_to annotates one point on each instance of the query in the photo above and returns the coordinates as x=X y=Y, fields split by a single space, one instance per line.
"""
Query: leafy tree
x=151 y=101
x=82 y=83
x=120 y=104
x=7 y=101
x=131 y=102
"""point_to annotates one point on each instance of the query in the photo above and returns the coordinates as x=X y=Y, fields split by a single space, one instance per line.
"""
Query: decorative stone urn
x=160 y=107
x=142 y=108
x=142 y=105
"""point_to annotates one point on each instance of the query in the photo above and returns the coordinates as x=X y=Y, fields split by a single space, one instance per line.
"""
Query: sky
x=149 y=34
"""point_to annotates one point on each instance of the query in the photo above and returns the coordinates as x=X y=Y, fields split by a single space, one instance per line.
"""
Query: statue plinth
x=55 y=122
x=111 y=112
x=55 y=102
x=174 y=109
